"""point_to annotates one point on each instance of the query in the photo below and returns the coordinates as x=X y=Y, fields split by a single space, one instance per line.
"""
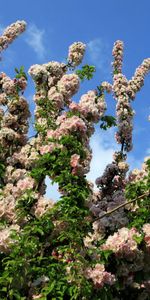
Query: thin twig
x=122 y=146
x=32 y=136
x=122 y=205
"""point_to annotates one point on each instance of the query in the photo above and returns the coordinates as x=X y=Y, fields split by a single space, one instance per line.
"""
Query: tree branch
x=122 y=205
x=122 y=146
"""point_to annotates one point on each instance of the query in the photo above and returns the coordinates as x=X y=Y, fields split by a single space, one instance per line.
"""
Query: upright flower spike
x=124 y=112
x=118 y=57
x=124 y=91
x=123 y=108
x=137 y=81
x=11 y=33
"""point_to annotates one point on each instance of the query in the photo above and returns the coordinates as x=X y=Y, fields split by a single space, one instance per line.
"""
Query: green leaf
x=86 y=72
x=16 y=70
x=21 y=69
x=108 y=122
x=138 y=239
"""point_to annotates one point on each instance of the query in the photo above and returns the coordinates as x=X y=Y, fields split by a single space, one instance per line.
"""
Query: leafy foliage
x=107 y=122
x=2 y=172
x=33 y=254
x=86 y=72
x=141 y=215
x=20 y=73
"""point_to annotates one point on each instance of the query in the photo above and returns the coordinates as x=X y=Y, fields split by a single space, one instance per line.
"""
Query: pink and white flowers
x=99 y=276
x=76 y=53
x=10 y=34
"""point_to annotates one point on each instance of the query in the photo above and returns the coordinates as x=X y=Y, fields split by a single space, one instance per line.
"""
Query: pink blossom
x=46 y=149
x=10 y=33
x=68 y=85
x=27 y=183
x=76 y=53
x=99 y=276
x=74 y=160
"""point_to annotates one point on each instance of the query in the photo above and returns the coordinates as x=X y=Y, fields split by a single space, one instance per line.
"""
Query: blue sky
x=54 y=25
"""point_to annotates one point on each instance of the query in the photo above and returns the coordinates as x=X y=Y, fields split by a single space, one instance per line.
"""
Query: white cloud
x=99 y=53
x=34 y=38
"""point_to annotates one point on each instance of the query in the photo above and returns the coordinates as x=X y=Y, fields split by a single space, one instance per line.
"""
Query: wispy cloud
x=98 y=50
x=34 y=38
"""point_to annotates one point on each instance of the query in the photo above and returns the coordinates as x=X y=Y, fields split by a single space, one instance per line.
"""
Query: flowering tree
x=88 y=245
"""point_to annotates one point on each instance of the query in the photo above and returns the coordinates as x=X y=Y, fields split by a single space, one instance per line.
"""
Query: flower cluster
x=54 y=89
x=146 y=230
x=42 y=206
x=68 y=85
x=123 y=243
x=10 y=34
x=135 y=175
x=49 y=73
x=5 y=238
x=111 y=194
x=137 y=80
x=56 y=97
x=14 y=122
x=14 y=188
x=69 y=125
x=124 y=112
x=129 y=256
x=99 y=276
x=74 y=162
x=118 y=56
x=7 y=207
x=106 y=86
x=125 y=90
x=26 y=156
x=76 y=53
x=92 y=106
x=90 y=241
